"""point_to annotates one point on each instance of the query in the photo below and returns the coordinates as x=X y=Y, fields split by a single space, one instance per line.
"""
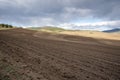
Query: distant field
x=4 y=28
x=94 y=34
x=85 y=33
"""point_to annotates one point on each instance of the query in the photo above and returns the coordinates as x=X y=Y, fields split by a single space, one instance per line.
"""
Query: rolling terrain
x=85 y=33
x=32 y=55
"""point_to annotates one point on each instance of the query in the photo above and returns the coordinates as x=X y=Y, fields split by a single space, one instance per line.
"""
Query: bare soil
x=31 y=55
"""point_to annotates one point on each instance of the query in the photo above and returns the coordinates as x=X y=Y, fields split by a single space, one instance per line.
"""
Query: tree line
x=5 y=26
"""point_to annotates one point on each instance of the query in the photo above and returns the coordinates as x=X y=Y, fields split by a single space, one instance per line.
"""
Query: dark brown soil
x=25 y=55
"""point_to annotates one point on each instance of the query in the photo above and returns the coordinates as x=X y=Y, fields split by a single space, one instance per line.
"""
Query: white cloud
x=92 y=26
x=38 y=21
x=103 y=23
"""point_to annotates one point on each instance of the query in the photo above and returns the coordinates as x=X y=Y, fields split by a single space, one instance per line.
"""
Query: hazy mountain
x=113 y=30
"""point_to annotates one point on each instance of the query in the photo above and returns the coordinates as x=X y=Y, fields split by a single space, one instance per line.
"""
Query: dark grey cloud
x=55 y=12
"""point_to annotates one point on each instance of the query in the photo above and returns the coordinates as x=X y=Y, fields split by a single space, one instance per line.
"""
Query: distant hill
x=116 y=30
x=48 y=28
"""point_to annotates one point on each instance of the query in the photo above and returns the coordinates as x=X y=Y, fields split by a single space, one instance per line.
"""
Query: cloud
x=71 y=13
x=56 y=12
x=42 y=21
x=100 y=26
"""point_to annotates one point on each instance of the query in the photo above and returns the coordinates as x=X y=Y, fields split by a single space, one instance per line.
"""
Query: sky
x=69 y=14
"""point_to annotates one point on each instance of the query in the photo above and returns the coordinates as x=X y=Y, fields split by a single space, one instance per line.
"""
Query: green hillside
x=47 y=28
